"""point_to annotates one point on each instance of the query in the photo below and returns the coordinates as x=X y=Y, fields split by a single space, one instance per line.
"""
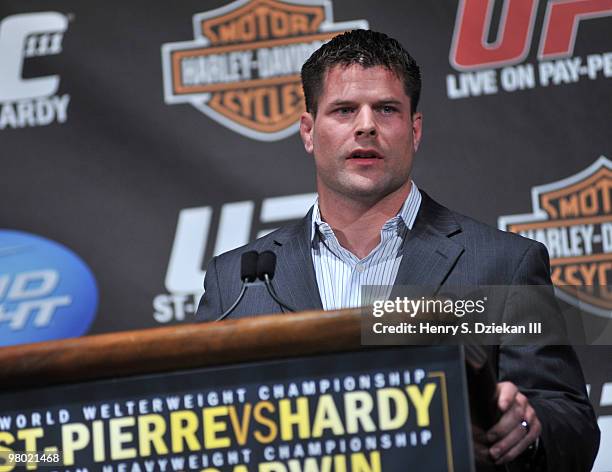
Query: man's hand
x=509 y=437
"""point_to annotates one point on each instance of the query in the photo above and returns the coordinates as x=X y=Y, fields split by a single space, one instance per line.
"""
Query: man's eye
x=388 y=109
x=344 y=110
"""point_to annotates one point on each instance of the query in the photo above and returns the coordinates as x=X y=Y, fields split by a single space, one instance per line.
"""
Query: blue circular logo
x=46 y=290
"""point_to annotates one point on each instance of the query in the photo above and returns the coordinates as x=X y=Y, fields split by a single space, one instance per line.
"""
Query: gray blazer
x=443 y=248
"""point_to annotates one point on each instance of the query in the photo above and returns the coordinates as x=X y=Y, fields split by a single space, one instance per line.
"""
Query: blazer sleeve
x=210 y=307
x=552 y=380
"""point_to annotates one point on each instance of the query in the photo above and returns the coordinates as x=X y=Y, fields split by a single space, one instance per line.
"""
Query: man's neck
x=357 y=224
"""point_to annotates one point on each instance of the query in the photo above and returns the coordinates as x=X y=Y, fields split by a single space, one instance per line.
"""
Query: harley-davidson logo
x=243 y=67
x=573 y=219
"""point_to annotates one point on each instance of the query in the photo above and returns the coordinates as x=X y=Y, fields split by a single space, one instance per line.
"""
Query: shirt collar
x=407 y=214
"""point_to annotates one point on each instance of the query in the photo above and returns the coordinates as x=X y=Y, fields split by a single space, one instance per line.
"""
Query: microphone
x=248 y=266
x=266 y=265
x=248 y=274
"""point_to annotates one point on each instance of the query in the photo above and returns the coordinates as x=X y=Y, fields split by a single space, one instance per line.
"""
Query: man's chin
x=368 y=192
x=361 y=188
x=367 y=188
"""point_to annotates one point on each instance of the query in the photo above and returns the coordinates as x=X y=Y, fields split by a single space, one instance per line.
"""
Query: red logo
x=470 y=49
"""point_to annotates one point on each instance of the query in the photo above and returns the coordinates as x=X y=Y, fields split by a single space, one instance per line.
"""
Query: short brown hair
x=366 y=48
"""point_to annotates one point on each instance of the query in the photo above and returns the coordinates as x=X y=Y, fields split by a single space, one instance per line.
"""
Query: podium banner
x=361 y=411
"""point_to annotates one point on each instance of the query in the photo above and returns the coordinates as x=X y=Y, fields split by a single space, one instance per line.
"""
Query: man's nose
x=366 y=124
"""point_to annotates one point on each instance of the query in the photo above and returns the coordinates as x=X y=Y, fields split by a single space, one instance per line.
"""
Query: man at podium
x=372 y=225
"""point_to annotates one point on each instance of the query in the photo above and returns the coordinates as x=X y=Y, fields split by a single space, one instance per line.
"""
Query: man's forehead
x=338 y=75
x=357 y=70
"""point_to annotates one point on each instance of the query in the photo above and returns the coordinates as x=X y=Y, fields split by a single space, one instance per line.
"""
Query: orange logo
x=573 y=219
x=243 y=67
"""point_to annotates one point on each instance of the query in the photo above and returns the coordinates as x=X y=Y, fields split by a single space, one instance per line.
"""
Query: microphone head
x=248 y=266
x=266 y=265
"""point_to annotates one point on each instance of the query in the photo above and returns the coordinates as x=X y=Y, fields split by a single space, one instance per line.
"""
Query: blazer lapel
x=429 y=253
x=295 y=281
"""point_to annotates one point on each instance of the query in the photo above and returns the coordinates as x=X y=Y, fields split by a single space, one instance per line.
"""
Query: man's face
x=363 y=136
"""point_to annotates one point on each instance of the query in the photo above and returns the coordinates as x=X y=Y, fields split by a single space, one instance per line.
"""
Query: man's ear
x=306 y=131
x=417 y=129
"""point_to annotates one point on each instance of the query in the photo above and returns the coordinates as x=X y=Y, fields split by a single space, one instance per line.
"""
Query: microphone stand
x=272 y=293
x=243 y=290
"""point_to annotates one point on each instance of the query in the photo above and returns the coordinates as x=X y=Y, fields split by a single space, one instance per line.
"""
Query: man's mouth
x=365 y=154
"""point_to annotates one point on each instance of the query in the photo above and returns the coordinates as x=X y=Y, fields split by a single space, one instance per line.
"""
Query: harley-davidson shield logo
x=243 y=67
x=573 y=219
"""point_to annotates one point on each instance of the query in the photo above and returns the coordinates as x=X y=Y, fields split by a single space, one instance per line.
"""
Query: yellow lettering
x=75 y=436
x=339 y=463
x=118 y=438
x=6 y=438
x=29 y=436
x=272 y=467
x=212 y=427
x=266 y=422
x=241 y=428
x=151 y=429
x=326 y=417
x=183 y=427
x=99 y=453
x=421 y=401
x=359 y=462
x=288 y=419
x=386 y=396
x=358 y=407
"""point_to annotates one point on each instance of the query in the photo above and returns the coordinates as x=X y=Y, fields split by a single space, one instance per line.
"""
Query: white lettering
x=40 y=112
x=482 y=82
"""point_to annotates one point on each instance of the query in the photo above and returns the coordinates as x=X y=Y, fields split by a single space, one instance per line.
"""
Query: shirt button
x=359 y=268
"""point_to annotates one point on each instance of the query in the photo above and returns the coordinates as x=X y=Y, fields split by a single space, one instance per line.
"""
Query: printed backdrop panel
x=140 y=138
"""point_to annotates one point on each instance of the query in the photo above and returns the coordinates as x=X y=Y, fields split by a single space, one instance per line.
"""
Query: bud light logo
x=46 y=291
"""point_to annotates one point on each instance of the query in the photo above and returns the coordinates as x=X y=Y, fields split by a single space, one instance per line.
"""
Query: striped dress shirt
x=341 y=275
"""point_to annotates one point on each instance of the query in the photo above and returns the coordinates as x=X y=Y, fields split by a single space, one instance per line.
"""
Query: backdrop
x=140 y=138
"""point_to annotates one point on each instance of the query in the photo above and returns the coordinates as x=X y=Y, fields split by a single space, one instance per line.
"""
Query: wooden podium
x=107 y=400
x=178 y=347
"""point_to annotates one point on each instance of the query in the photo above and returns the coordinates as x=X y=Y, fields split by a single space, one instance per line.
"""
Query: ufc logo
x=235 y=221
x=28 y=35
x=470 y=49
